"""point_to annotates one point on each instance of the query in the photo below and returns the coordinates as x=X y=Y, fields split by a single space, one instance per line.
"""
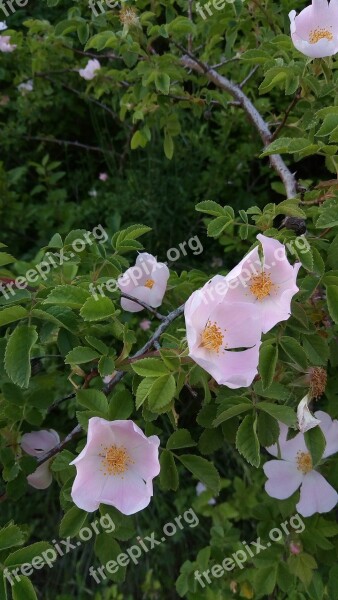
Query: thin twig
x=145 y=305
x=66 y=143
x=151 y=342
x=255 y=117
x=296 y=99
x=248 y=77
x=117 y=377
x=59 y=447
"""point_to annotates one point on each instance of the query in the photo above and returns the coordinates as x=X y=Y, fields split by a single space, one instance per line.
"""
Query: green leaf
x=62 y=461
x=289 y=146
x=24 y=555
x=121 y=405
x=218 y=225
x=23 y=589
x=72 y=522
x=302 y=565
x=332 y=301
x=149 y=367
x=203 y=470
x=168 y=146
x=97 y=310
x=316 y=443
x=243 y=405
x=143 y=390
x=294 y=350
x=268 y=356
x=168 y=472
x=247 y=442
x=317 y=349
x=69 y=295
x=180 y=439
x=291 y=208
x=93 y=400
x=81 y=354
x=161 y=392
x=6 y=259
x=106 y=366
x=18 y=354
x=162 y=83
x=210 y=208
x=267 y=429
x=285 y=414
x=11 y=535
x=11 y=314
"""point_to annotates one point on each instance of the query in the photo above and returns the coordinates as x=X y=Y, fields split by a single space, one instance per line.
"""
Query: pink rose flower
x=269 y=284
x=103 y=176
x=146 y=281
x=145 y=324
x=295 y=469
x=90 y=70
x=5 y=45
x=215 y=327
x=314 y=31
x=116 y=467
x=295 y=548
x=37 y=443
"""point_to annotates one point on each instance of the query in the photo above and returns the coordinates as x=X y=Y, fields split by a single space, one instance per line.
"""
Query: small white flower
x=3 y=25
x=90 y=70
x=5 y=44
x=26 y=86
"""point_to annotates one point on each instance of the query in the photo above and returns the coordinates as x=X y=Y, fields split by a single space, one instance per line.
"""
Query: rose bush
x=110 y=411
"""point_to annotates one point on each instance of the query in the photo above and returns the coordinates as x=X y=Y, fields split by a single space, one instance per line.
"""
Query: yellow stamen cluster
x=116 y=460
x=318 y=380
x=212 y=337
x=261 y=285
x=304 y=462
x=320 y=34
x=128 y=16
x=149 y=284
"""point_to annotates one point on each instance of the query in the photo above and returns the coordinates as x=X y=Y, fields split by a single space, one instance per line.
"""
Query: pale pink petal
x=305 y=418
x=290 y=448
x=99 y=434
x=233 y=369
x=283 y=479
x=41 y=478
x=38 y=442
x=330 y=429
x=316 y=495
x=283 y=431
x=129 y=494
x=88 y=484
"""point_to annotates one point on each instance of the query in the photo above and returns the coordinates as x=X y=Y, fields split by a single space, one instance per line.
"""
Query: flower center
x=116 y=460
x=304 y=462
x=320 y=34
x=149 y=283
x=261 y=285
x=212 y=337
